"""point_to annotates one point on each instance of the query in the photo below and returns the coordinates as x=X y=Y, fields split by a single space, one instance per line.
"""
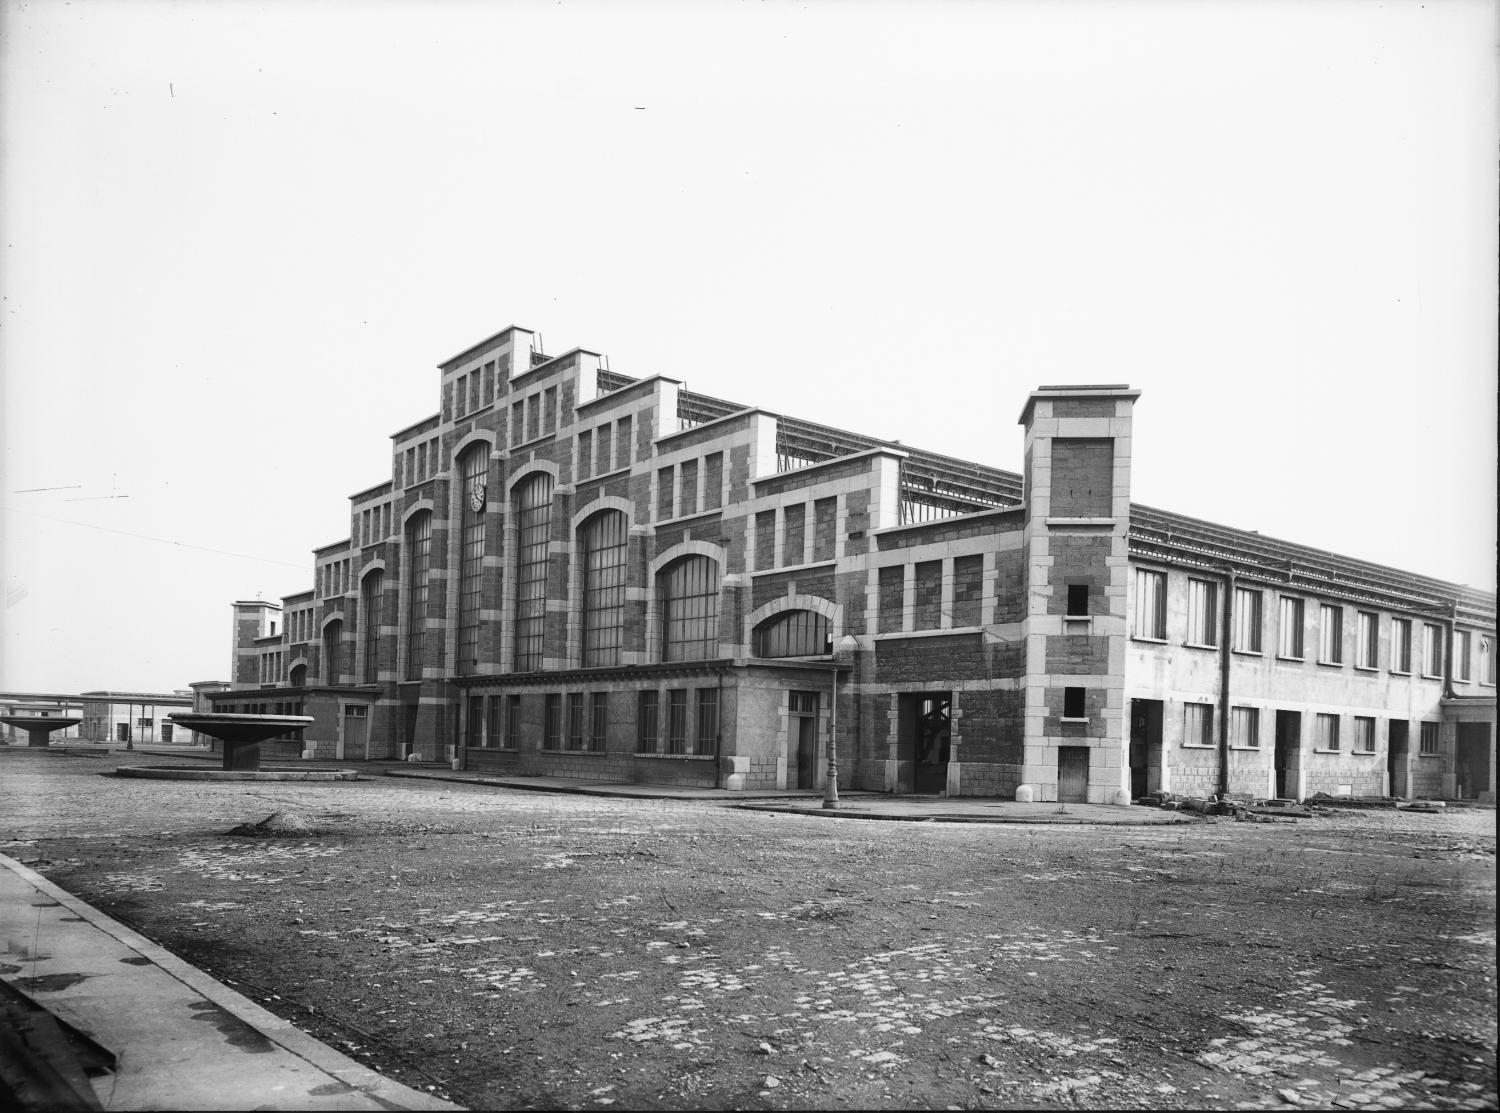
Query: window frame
x=1205 y=727
x=1203 y=613
x=1362 y=736
x=1252 y=623
x=1330 y=634
x=1148 y=622
x=1326 y=733
x=1244 y=728
x=1291 y=628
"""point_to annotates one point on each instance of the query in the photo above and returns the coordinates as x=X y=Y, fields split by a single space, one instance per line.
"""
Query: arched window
x=371 y=594
x=533 y=530
x=794 y=634
x=418 y=564
x=689 y=590
x=602 y=543
x=333 y=652
x=473 y=465
x=299 y=676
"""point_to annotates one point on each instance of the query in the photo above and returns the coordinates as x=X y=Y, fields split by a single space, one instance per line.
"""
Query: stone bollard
x=1025 y=794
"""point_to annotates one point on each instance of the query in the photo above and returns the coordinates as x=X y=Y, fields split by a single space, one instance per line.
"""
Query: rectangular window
x=1150 y=604
x=460 y=396
x=892 y=593
x=928 y=607
x=647 y=729
x=687 y=493
x=1460 y=655
x=517 y=422
x=677 y=721
x=1073 y=703
x=1203 y=612
x=474 y=723
x=533 y=417
x=1330 y=634
x=549 y=404
x=1432 y=650
x=708 y=721
x=575 y=720
x=1429 y=742
x=1198 y=724
x=765 y=539
x=1367 y=634
x=512 y=722
x=1078 y=600
x=1400 y=645
x=601 y=448
x=713 y=481
x=622 y=442
x=1290 y=629
x=968 y=590
x=1486 y=661
x=585 y=454
x=1327 y=736
x=1244 y=727
x=598 y=721
x=1364 y=734
x=1247 y=623
x=794 y=537
x=552 y=725
x=665 y=492
x=473 y=390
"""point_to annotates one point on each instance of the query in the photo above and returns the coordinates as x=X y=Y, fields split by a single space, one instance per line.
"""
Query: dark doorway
x=802 y=739
x=1288 y=752
x=923 y=739
x=1396 y=757
x=1473 y=760
x=1145 y=746
x=1073 y=774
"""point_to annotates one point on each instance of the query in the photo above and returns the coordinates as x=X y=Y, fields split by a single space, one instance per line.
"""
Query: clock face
x=476 y=496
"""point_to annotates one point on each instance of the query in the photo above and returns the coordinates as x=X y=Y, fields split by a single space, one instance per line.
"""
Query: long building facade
x=576 y=573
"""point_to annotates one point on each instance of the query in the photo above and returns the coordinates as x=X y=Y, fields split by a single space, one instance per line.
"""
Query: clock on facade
x=476 y=497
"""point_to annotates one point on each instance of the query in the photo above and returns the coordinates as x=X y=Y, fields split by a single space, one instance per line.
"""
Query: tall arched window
x=793 y=634
x=298 y=677
x=418 y=564
x=533 y=530
x=689 y=591
x=602 y=543
x=333 y=652
x=474 y=467
x=371 y=594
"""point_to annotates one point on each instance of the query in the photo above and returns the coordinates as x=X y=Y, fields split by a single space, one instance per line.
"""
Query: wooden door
x=1073 y=774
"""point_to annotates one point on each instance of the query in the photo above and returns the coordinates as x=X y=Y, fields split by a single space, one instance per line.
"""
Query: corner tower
x=1077 y=476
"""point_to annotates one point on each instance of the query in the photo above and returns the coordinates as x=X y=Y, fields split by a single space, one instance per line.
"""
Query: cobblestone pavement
x=529 y=950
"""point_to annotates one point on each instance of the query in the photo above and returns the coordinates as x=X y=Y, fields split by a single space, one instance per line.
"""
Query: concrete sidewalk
x=181 y=1039
x=852 y=805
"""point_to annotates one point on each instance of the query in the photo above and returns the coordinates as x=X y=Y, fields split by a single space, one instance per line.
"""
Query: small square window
x=1078 y=600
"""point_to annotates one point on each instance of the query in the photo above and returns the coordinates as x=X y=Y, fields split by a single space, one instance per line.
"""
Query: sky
x=240 y=236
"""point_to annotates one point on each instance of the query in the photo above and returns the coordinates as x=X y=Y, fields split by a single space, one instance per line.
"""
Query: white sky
x=240 y=236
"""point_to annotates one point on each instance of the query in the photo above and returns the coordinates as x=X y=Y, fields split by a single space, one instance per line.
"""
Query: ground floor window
x=575 y=720
x=598 y=721
x=1429 y=741
x=648 y=729
x=677 y=721
x=708 y=720
x=1198 y=724
x=513 y=722
x=1244 y=727
x=552 y=723
x=1327 y=732
x=474 y=724
x=1364 y=734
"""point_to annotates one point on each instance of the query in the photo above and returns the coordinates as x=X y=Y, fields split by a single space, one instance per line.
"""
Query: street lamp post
x=844 y=653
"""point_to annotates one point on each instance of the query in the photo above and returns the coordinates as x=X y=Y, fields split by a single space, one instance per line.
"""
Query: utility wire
x=162 y=540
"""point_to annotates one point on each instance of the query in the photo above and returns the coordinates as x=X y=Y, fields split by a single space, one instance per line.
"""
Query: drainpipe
x=1451 y=638
x=723 y=780
x=1225 y=642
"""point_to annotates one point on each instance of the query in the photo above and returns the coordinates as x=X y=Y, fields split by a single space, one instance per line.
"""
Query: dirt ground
x=508 y=949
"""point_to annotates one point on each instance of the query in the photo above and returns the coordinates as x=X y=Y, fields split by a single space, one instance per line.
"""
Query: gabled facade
x=575 y=573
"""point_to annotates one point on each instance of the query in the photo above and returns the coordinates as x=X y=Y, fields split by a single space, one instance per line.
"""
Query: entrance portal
x=926 y=724
x=1073 y=774
x=802 y=739
x=1395 y=757
x=1473 y=760
x=1145 y=746
x=1288 y=753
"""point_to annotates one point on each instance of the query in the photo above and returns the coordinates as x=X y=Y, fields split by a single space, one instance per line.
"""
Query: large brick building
x=575 y=573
